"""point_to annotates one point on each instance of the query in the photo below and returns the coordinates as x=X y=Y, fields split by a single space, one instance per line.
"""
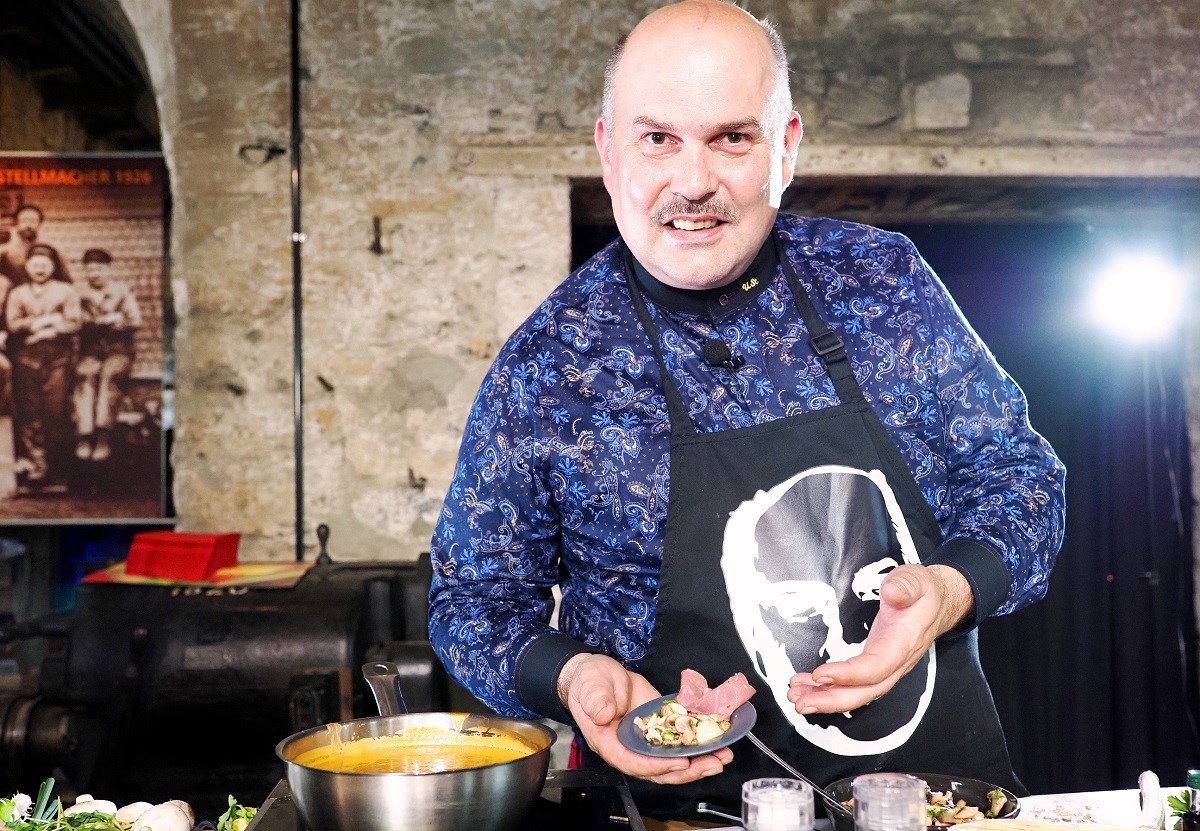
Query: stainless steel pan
x=490 y=798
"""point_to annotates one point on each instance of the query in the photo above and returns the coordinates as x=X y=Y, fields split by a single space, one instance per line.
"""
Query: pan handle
x=384 y=681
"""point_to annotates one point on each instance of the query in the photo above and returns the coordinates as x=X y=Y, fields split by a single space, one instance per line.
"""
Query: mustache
x=708 y=207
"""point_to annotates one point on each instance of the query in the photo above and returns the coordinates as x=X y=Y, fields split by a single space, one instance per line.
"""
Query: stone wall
x=404 y=101
x=25 y=124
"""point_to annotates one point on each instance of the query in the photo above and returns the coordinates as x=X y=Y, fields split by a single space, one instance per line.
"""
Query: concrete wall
x=457 y=125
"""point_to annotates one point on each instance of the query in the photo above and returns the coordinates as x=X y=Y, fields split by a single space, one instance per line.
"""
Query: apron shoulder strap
x=826 y=343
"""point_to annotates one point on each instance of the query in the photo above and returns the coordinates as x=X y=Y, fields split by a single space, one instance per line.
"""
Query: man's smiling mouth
x=694 y=225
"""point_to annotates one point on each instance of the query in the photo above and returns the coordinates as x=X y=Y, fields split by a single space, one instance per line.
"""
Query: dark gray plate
x=740 y=723
x=972 y=791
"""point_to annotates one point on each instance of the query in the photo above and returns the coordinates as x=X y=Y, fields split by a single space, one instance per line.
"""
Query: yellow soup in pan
x=417 y=750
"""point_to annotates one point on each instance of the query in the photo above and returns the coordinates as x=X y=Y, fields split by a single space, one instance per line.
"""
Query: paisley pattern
x=565 y=458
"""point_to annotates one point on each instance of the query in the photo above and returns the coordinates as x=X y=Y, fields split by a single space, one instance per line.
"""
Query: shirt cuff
x=985 y=571
x=537 y=674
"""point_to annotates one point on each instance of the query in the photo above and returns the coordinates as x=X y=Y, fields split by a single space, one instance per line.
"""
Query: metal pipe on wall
x=297 y=299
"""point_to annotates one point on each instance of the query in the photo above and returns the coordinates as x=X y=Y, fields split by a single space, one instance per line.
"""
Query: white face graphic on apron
x=803 y=563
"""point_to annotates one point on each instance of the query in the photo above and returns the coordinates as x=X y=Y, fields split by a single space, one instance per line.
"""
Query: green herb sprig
x=1178 y=805
x=236 y=818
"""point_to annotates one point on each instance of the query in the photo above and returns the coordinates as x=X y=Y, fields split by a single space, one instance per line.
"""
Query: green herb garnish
x=82 y=821
x=47 y=815
x=236 y=818
x=1178 y=806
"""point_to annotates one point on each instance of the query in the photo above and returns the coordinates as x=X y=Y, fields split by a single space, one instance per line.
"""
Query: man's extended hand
x=598 y=692
x=917 y=605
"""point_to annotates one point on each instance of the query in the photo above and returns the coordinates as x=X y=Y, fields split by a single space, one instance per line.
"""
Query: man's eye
x=735 y=138
x=657 y=138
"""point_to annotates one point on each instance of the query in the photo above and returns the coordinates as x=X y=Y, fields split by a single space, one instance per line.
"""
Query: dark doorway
x=83 y=59
x=1098 y=682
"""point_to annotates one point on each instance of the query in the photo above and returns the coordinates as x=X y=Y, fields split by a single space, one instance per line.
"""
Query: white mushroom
x=129 y=814
x=685 y=725
x=707 y=730
x=86 y=804
x=165 y=817
x=187 y=809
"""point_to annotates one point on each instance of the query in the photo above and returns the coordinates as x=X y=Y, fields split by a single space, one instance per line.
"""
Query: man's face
x=694 y=177
x=96 y=274
x=39 y=267
x=28 y=222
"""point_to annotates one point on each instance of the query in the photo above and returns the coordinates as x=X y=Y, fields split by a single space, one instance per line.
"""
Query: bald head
x=704 y=24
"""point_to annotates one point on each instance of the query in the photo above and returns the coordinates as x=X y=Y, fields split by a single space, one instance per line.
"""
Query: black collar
x=717 y=302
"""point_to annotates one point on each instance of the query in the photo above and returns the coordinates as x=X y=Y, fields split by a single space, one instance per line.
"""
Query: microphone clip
x=717 y=355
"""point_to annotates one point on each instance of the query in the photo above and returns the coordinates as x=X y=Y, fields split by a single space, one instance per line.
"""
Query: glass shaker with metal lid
x=889 y=802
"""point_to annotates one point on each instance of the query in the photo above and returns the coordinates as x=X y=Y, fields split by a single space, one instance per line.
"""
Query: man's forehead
x=738 y=106
x=704 y=128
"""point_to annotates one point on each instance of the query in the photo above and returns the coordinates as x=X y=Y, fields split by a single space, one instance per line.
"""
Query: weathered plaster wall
x=402 y=93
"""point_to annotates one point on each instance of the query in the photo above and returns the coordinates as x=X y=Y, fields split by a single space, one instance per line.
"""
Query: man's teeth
x=688 y=225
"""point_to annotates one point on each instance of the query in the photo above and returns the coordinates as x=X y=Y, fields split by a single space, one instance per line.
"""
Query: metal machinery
x=159 y=693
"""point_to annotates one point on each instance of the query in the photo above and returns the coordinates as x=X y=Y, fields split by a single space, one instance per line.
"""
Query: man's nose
x=695 y=177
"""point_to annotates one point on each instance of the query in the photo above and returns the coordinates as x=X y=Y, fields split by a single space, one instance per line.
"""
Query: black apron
x=777 y=537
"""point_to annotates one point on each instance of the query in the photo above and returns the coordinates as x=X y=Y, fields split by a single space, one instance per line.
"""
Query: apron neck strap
x=681 y=421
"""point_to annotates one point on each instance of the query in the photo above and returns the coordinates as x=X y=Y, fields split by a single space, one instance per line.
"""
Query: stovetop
x=572 y=800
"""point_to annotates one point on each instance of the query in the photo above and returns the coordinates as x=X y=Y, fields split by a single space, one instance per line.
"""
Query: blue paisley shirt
x=563 y=471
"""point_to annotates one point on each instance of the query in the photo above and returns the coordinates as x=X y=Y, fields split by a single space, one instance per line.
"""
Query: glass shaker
x=1190 y=821
x=777 y=805
x=889 y=802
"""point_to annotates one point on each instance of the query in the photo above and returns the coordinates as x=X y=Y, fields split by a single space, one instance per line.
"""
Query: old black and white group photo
x=81 y=404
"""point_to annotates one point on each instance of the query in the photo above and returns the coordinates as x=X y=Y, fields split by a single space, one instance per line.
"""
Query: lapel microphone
x=716 y=354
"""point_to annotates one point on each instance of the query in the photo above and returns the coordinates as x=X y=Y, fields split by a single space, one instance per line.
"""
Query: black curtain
x=1096 y=683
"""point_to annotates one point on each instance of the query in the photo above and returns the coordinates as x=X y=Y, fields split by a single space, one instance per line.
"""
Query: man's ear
x=603 y=141
x=792 y=134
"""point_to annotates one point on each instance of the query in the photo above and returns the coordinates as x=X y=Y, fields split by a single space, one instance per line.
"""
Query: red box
x=178 y=556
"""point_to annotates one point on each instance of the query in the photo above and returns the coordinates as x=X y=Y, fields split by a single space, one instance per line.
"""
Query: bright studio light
x=1139 y=298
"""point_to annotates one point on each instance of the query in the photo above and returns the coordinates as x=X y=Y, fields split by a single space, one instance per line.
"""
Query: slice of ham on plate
x=731 y=698
x=722 y=700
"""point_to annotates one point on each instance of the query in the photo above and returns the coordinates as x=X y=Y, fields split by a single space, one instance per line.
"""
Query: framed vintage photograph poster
x=82 y=242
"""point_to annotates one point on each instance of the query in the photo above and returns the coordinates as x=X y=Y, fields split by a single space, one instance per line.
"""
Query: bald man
x=741 y=441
